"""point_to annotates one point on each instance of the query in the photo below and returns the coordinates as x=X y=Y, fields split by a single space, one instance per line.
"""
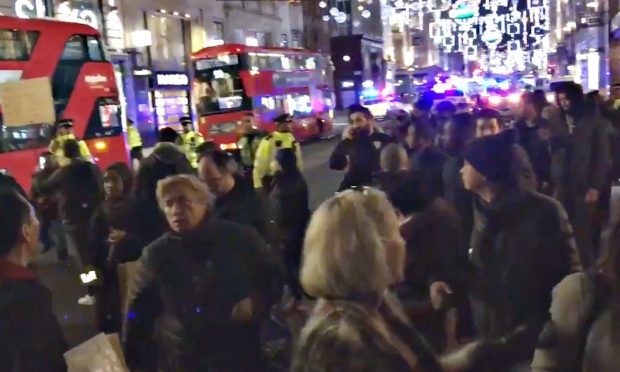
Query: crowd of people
x=455 y=242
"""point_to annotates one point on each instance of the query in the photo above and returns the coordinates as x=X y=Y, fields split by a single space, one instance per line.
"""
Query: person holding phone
x=358 y=154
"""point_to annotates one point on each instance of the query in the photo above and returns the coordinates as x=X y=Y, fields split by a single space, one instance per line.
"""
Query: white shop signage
x=30 y=8
x=65 y=12
x=171 y=79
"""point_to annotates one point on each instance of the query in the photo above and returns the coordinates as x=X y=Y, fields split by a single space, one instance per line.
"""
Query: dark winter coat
x=243 y=206
x=389 y=181
x=80 y=186
x=434 y=248
x=581 y=160
x=360 y=157
x=290 y=198
x=30 y=338
x=430 y=163
x=457 y=196
x=521 y=247
x=344 y=335
x=118 y=215
x=537 y=149
x=182 y=299
x=46 y=203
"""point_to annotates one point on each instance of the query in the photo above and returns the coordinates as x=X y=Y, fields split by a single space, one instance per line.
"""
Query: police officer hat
x=65 y=123
x=284 y=118
x=185 y=120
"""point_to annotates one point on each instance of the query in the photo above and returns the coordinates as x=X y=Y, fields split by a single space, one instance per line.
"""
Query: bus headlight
x=101 y=146
x=228 y=146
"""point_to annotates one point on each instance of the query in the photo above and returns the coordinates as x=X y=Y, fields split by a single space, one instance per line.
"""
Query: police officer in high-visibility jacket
x=134 y=141
x=190 y=140
x=265 y=164
x=64 y=132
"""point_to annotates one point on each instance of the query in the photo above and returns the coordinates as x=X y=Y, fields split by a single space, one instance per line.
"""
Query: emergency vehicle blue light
x=370 y=92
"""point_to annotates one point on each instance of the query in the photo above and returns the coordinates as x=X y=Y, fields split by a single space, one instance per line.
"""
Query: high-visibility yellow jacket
x=248 y=146
x=133 y=137
x=57 y=148
x=265 y=162
x=190 y=141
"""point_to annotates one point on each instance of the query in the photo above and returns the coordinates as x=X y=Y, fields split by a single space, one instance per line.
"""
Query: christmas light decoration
x=502 y=35
x=341 y=17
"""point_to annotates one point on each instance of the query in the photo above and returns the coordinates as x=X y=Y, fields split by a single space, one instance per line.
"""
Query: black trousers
x=136 y=153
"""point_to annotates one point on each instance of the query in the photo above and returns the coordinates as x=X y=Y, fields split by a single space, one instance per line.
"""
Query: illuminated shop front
x=170 y=98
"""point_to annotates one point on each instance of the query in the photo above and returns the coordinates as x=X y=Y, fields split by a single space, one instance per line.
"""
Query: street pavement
x=78 y=321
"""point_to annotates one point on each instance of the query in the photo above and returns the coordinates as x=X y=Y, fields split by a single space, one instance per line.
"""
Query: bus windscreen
x=218 y=88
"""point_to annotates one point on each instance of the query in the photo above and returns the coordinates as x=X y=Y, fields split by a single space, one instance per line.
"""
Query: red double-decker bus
x=84 y=90
x=233 y=80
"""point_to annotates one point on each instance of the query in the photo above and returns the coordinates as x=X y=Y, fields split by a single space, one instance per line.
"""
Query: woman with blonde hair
x=353 y=253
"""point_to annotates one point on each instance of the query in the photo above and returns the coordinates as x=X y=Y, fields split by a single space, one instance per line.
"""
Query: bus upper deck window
x=95 y=49
x=74 y=49
x=17 y=45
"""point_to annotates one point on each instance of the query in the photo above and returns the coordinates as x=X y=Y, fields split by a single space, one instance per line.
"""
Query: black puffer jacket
x=30 y=337
x=182 y=300
x=522 y=246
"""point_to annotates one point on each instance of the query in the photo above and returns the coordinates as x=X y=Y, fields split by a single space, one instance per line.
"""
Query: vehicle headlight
x=228 y=146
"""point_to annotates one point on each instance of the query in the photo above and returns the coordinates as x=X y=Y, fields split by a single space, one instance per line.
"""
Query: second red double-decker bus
x=233 y=80
x=84 y=90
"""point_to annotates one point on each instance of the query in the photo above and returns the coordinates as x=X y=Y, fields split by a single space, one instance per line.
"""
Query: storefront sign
x=142 y=72
x=30 y=8
x=171 y=79
x=65 y=12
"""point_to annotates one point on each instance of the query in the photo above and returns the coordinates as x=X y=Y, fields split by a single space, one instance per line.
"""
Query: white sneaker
x=87 y=300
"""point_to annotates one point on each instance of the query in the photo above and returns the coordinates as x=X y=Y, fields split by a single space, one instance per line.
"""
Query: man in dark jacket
x=30 y=337
x=195 y=297
x=359 y=152
x=79 y=185
x=435 y=253
x=427 y=158
x=521 y=247
x=534 y=138
x=459 y=132
x=236 y=199
x=47 y=207
x=581 y=160
x=488 y=124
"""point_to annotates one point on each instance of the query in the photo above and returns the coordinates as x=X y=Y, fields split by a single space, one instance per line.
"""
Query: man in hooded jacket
x=521 y=247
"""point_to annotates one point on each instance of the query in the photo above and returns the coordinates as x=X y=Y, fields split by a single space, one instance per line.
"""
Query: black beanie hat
x=493 y=156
